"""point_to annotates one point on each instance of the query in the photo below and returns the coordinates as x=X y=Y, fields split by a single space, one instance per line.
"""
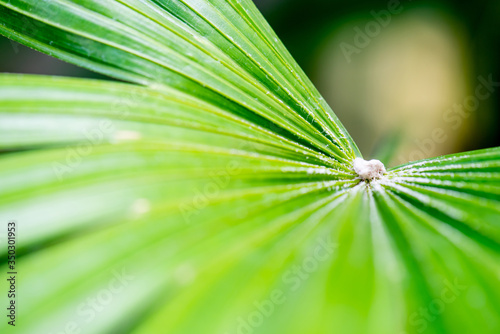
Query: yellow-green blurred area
x=401 y=75
x=409 y=79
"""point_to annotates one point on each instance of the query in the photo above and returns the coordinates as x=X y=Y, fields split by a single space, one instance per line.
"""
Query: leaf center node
x=368 y=170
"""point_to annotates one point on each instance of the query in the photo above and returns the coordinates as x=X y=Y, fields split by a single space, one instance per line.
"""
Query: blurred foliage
x=306 y=26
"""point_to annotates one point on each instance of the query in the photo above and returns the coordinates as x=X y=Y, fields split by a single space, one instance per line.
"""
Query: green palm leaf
x=215 y=192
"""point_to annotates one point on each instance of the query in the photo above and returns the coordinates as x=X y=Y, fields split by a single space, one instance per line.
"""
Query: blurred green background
x=406 y=78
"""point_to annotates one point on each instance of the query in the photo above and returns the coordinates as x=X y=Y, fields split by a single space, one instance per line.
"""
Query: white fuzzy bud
x=368 y=170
